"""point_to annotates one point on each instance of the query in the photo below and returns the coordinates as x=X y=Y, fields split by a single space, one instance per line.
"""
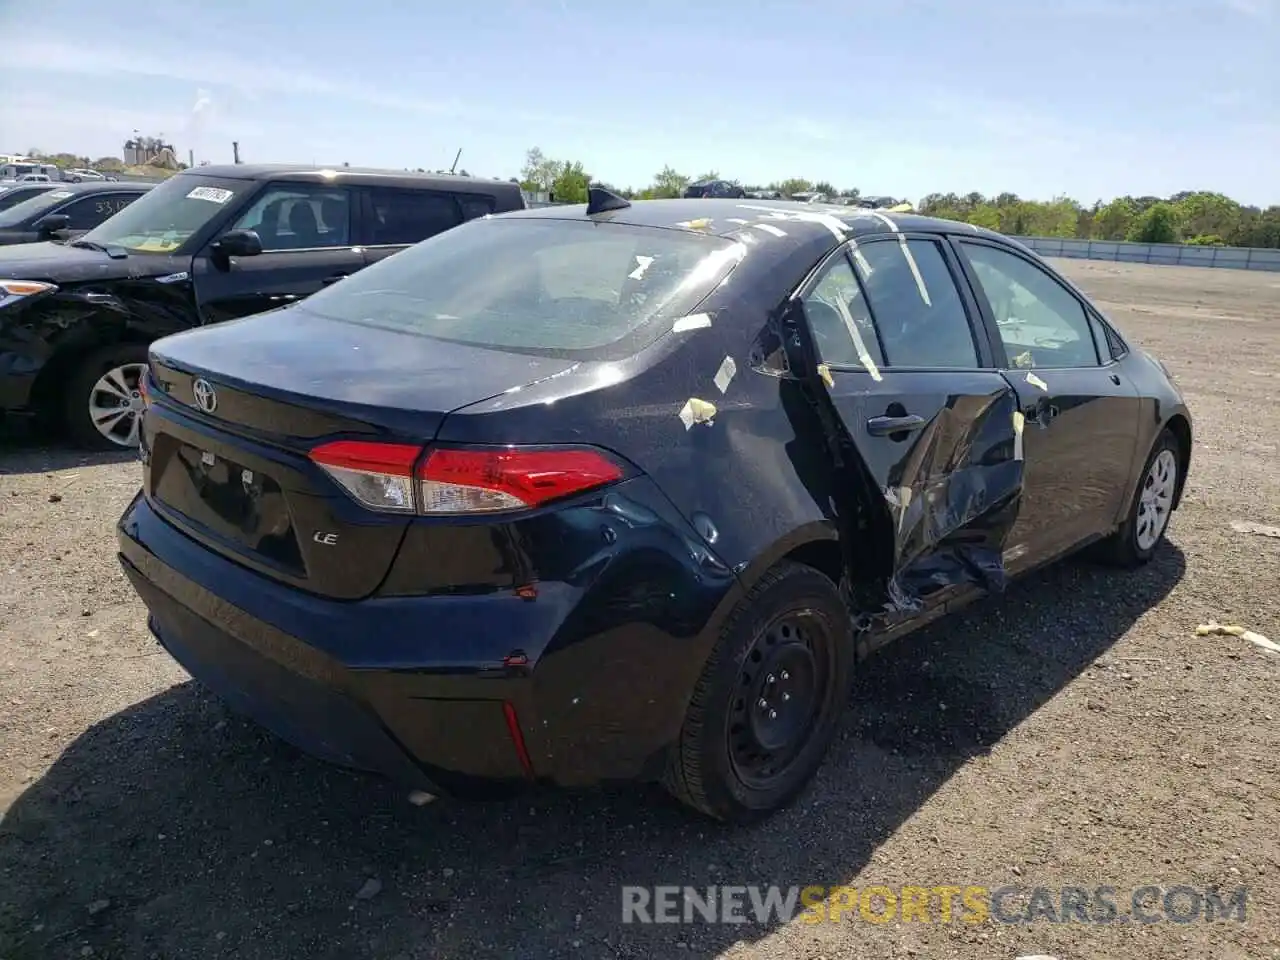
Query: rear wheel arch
x=1180 y=426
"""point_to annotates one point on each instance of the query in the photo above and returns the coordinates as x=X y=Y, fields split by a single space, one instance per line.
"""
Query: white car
x=78 y=176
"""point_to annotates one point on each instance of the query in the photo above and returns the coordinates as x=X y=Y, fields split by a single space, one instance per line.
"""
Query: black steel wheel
x=769 y=699
x=784 y=682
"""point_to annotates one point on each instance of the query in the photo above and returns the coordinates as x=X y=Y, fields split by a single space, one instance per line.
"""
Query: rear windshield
x=563 y=288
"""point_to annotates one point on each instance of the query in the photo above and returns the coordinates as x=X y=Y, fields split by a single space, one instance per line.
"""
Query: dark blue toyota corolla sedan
x=622 y=491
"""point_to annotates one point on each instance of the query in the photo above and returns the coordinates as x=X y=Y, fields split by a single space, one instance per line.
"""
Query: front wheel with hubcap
x=1144 y=527
x=769 y=699
x=103 y=403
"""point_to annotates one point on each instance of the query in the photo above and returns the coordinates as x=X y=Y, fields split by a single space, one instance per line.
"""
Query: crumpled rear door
x=929 y=463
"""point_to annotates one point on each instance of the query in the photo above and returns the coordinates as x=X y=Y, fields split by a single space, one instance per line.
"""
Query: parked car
x=207 y=245
x=715 y=188
x=14 y=193
x=621 y=491
x=66 y=212
x=78 y=175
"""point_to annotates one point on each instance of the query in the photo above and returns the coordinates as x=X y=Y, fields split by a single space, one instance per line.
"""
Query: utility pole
x=235 y=150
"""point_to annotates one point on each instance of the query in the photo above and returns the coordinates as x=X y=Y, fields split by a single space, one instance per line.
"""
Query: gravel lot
x=1088 y=737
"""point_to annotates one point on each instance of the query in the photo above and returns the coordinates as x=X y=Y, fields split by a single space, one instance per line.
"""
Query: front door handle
x=335 y=278
x=884 y=426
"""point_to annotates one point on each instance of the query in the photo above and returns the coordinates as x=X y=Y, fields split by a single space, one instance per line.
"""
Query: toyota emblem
x=206 y=396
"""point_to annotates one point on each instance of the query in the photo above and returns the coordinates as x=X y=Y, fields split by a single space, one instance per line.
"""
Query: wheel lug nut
x=786 y=697
x=785 y=675
x=773 y=714
x=763 y=704
x=769 y=678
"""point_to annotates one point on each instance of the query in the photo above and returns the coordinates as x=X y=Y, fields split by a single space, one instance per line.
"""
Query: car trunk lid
x=228 y=448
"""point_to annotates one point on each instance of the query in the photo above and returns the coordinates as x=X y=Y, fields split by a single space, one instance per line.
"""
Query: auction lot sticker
x=212 y=194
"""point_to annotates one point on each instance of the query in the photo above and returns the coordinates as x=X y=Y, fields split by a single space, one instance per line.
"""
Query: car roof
x=728 y=217
x=307 y=173
x=104 y=186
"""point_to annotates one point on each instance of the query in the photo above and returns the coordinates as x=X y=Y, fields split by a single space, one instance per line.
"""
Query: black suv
x=715 y=188
x=209 y=244
x=66 y=212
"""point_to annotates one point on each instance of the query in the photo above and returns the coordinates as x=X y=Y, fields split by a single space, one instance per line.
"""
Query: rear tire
x=102 y=406
x=1144 y=527
x=769 y=700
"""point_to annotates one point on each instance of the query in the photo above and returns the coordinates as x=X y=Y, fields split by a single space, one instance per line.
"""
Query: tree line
x=1193 y=216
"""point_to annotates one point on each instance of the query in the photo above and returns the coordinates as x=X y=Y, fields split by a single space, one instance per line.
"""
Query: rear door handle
x=883 y=426
x=335 y=278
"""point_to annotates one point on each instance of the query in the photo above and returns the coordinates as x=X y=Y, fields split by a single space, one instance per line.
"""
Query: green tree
x=667 y=184
x=1114 y=220
x=570 y=184
x=793 y=186
x=539 y=172
x=1159 y=224
x=825 y=188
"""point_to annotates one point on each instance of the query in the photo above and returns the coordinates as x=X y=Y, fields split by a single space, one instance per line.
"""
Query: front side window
x=166 y=217
x=838 y=317
x=563 y=288
x=87 y=212
x=402 y=217
x=1041 y=323
x=915 y=304
x=300 y=216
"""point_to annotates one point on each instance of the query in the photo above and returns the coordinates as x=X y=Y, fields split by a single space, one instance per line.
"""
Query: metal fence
x=1172 y=254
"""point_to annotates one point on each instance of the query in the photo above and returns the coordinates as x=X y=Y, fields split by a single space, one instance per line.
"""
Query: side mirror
x=239 y=243
x=50 y=225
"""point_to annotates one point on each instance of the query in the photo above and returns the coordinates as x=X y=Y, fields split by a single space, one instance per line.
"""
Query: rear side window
x=838 y=316
x=402 y=217
x=475 y=205
x=915 y=304
x=565 y=288
x=87 y=212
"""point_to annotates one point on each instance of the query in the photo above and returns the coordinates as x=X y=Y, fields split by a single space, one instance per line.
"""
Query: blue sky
x=1091 y=98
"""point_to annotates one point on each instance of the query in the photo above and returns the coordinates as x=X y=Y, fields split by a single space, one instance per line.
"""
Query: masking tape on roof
x=695 y=321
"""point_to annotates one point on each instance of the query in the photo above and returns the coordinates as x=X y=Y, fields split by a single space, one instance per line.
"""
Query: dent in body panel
x=953 y=498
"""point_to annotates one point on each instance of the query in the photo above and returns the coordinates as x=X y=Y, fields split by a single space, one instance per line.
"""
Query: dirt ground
x=1074 y=731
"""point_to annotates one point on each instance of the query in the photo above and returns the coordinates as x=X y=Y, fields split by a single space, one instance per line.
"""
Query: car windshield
x=563 y=288
x=12 y=196
x=32 y=206
x=168 y=215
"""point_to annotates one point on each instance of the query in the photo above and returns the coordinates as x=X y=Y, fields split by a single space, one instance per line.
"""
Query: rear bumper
x=415 y=688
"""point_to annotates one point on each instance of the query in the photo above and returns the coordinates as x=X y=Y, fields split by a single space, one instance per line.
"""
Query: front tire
x=769 y=700
x=102 y=408
x=1138 y=538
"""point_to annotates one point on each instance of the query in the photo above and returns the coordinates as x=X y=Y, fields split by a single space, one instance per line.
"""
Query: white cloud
x=105 y=58
x=1257 y=9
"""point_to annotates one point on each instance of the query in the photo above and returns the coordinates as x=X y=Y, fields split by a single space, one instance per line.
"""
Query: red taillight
x=457 y=481
x=377 y=475
x=462 y=481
